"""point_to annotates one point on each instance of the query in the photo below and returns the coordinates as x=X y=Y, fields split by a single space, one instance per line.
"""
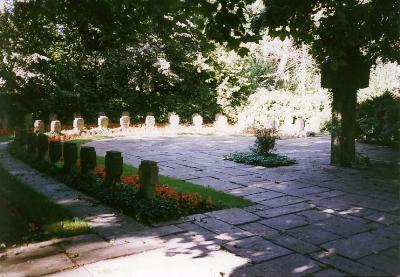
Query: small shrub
x=260 y=153
x=268 y=160
x=379 y=120
x=265 y=141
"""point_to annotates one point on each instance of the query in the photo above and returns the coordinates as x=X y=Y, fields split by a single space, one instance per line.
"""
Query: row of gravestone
x=221 y=122
x=40 y=148
x=289 y=125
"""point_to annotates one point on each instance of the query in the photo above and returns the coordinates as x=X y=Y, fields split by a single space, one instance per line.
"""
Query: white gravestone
x=124 y=121
x=150 y=121
x=55 y=126
x=102 y=122
x=174 y=121
x=38 y=127
x=197 y=121
x=221 y=122
x=79 y=124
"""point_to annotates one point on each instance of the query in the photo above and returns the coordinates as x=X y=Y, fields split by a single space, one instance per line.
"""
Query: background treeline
x=160 y=57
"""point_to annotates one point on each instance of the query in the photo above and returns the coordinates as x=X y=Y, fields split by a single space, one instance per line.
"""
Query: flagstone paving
x=308 y=219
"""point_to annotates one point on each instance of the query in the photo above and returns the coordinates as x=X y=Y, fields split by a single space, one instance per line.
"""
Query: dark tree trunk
x=343 y=125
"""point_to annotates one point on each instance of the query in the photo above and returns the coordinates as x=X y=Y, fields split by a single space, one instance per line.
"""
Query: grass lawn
x=223 y=200
x=27 y=216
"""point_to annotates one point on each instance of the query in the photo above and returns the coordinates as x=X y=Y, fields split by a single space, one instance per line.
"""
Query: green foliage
x=265 y=141
x=335 y=28
x=379 y=119
x=112 y=56
x=267 y=160
x=260 y=153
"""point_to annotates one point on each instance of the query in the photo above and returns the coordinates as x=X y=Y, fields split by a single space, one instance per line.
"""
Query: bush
x=260 y=153
x=379 y=120
x=268 y=160
x=265 y=141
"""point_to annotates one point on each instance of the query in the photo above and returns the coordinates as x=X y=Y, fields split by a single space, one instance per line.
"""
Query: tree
x=346 y=38
x=112 y=55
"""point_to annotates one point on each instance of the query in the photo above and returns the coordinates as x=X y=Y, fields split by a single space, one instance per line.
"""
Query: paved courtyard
x=309 y=219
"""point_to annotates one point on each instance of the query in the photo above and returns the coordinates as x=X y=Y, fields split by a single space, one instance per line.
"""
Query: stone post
x=70 y=155
x=21 y=136
x=299 y=124
x=124 y=121
x=102 y=122
x=32 y=143
x=148 y=178
x=28 y=121
x=221 y=122
x=174 y=120
x=113 y=165
x=197 y=121
x=150 y=121
x=88 y=159
x=78 y=124
x=38 y=127
x=42 y=146
x=55 y=151
x=55 y=126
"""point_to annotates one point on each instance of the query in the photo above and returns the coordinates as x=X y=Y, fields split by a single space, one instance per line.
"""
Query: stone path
x=309 y=219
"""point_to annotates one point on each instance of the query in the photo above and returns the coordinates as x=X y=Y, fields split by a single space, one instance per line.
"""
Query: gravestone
x=78 y=124
x=197 y=121
x=313 y=125
x=28 y=121
x=150 y=121
x=55 y=126
x=70 y=155
x=241 y=122
x=55 y=151
x=148 y=178
x=221 y=122
x=32 y=143
x=38 y=127
x=299 y=124
x=88 y=159
x=42 y=146
x=125 y=114
x=124 y=121
x=173 y=120
x=113 y=164
x=288 y=124
x=102 y=122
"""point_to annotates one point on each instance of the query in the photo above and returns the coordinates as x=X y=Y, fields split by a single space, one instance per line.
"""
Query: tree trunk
x=343 y=125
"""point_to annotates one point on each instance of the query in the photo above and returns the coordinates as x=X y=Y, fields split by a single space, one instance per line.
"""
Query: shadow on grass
x=28 y=216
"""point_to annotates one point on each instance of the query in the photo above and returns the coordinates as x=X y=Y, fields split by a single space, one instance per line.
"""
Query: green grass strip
x=26 y=215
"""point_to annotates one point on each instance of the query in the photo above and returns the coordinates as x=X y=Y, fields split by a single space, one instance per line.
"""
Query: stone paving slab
x=292 y=265
x=256 y=249
x=285 y=222
x=360 y=245
x=349 y=266
x=234 y=216
x=312 y=234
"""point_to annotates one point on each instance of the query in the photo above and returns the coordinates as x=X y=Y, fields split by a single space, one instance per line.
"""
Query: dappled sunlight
x=303 y=268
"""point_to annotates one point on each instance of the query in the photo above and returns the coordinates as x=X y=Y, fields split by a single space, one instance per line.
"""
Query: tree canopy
x=333 y=28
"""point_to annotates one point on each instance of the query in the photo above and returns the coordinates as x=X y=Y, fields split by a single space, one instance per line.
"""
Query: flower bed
x=167 y=205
